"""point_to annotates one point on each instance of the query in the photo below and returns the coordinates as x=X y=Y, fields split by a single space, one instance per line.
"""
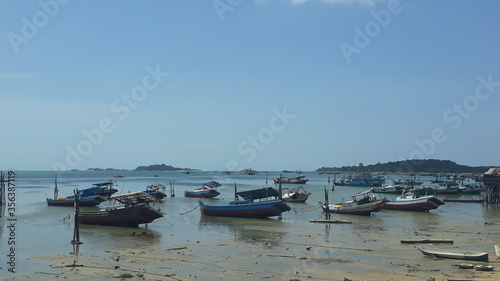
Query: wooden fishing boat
x=133 y=210
x=208 y=190
x=450 y=254
x=296 y=195
x=156 y=190
x=412 y=202
x=103 y=189
x=93 y=200
x=390 y=189
x=248 y=207
x=295 y=180
x=87 y=197
x=357 y=206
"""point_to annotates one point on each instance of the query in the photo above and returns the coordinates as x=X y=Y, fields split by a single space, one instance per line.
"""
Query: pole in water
x=328 y=216
x=76 y=232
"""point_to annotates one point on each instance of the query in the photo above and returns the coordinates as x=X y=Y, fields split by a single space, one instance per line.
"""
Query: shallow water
x=283 y=246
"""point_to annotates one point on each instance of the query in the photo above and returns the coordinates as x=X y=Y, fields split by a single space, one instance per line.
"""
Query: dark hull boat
x=82 y=201
x=248 y=208
x=133 y=211
x=156 y=190
x=245 y=209
x=296 y=180
x=208 y=190
x=200 y=193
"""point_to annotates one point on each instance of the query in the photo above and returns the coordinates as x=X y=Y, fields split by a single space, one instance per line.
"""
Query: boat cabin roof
x=103 y=184
x=156 y=187
x=258 y=193
x=212 y=184
x=295 y=189
x=133 y=198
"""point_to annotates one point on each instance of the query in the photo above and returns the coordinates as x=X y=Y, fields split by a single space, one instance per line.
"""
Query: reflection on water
x=491 y=213
x=245 y=229
x=119 y=237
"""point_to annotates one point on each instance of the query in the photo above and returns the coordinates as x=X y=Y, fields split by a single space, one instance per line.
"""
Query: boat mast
x=328 y=216
x=235 y=191
x=280 y=190
x=56 y=190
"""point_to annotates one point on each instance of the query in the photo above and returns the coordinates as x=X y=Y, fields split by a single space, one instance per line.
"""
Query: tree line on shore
x=410 y=166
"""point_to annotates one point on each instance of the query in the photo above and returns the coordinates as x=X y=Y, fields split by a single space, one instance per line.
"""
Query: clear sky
x=232 y=84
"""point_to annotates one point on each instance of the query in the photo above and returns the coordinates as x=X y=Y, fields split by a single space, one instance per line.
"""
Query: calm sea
x=46 y=231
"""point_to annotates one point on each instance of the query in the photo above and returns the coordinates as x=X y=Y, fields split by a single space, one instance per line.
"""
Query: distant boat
x=156 y=190
x=389 y=189
x=300 y=179
x=408 y=182
x=133 y=211
x=248 y=207
x=450 y=254
x=357 y=206
x=361 y=181
x=208 y=190
x=412 y=202
x=296 y=195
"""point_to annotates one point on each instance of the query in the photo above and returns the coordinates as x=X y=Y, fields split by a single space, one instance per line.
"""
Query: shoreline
x=379 y=258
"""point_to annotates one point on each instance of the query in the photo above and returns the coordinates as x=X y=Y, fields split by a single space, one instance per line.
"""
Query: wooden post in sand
x=76 y=232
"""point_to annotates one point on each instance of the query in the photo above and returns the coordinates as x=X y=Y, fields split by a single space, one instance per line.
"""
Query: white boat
x=412 y=202
x=449 y=254
x=357 y=206
x=297 y=195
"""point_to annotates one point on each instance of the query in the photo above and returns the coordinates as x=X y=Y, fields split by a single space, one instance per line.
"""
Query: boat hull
x=422 y=204
x=130 y=216
x=84 y=201
x=211 y=193
x=245 y=209
x=302 y=181
x=438 y=253
x=157 y=194
x=352 y=208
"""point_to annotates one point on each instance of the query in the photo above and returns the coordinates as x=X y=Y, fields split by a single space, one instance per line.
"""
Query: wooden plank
x=331 y=221
x=428 y=240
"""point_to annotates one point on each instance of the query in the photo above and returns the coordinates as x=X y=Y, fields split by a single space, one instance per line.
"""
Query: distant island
x=432 y=166
x=162 y=167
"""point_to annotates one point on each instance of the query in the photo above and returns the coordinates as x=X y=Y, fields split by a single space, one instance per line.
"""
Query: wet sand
x=377 y=255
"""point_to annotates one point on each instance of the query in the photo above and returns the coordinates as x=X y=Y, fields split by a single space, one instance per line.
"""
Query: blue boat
x=92 y=200
x=208 y=190
x=91 y=196
x=155 y=190
x=103 y=189
x=248 y=207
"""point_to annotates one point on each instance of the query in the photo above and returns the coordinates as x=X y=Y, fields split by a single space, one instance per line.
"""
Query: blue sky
x=267 y=85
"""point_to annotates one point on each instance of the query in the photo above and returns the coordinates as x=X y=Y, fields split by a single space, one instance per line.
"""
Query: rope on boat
x=190 y=210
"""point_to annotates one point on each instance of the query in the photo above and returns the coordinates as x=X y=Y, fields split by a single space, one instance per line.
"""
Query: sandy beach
x=184 y=245
x=379 y=255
